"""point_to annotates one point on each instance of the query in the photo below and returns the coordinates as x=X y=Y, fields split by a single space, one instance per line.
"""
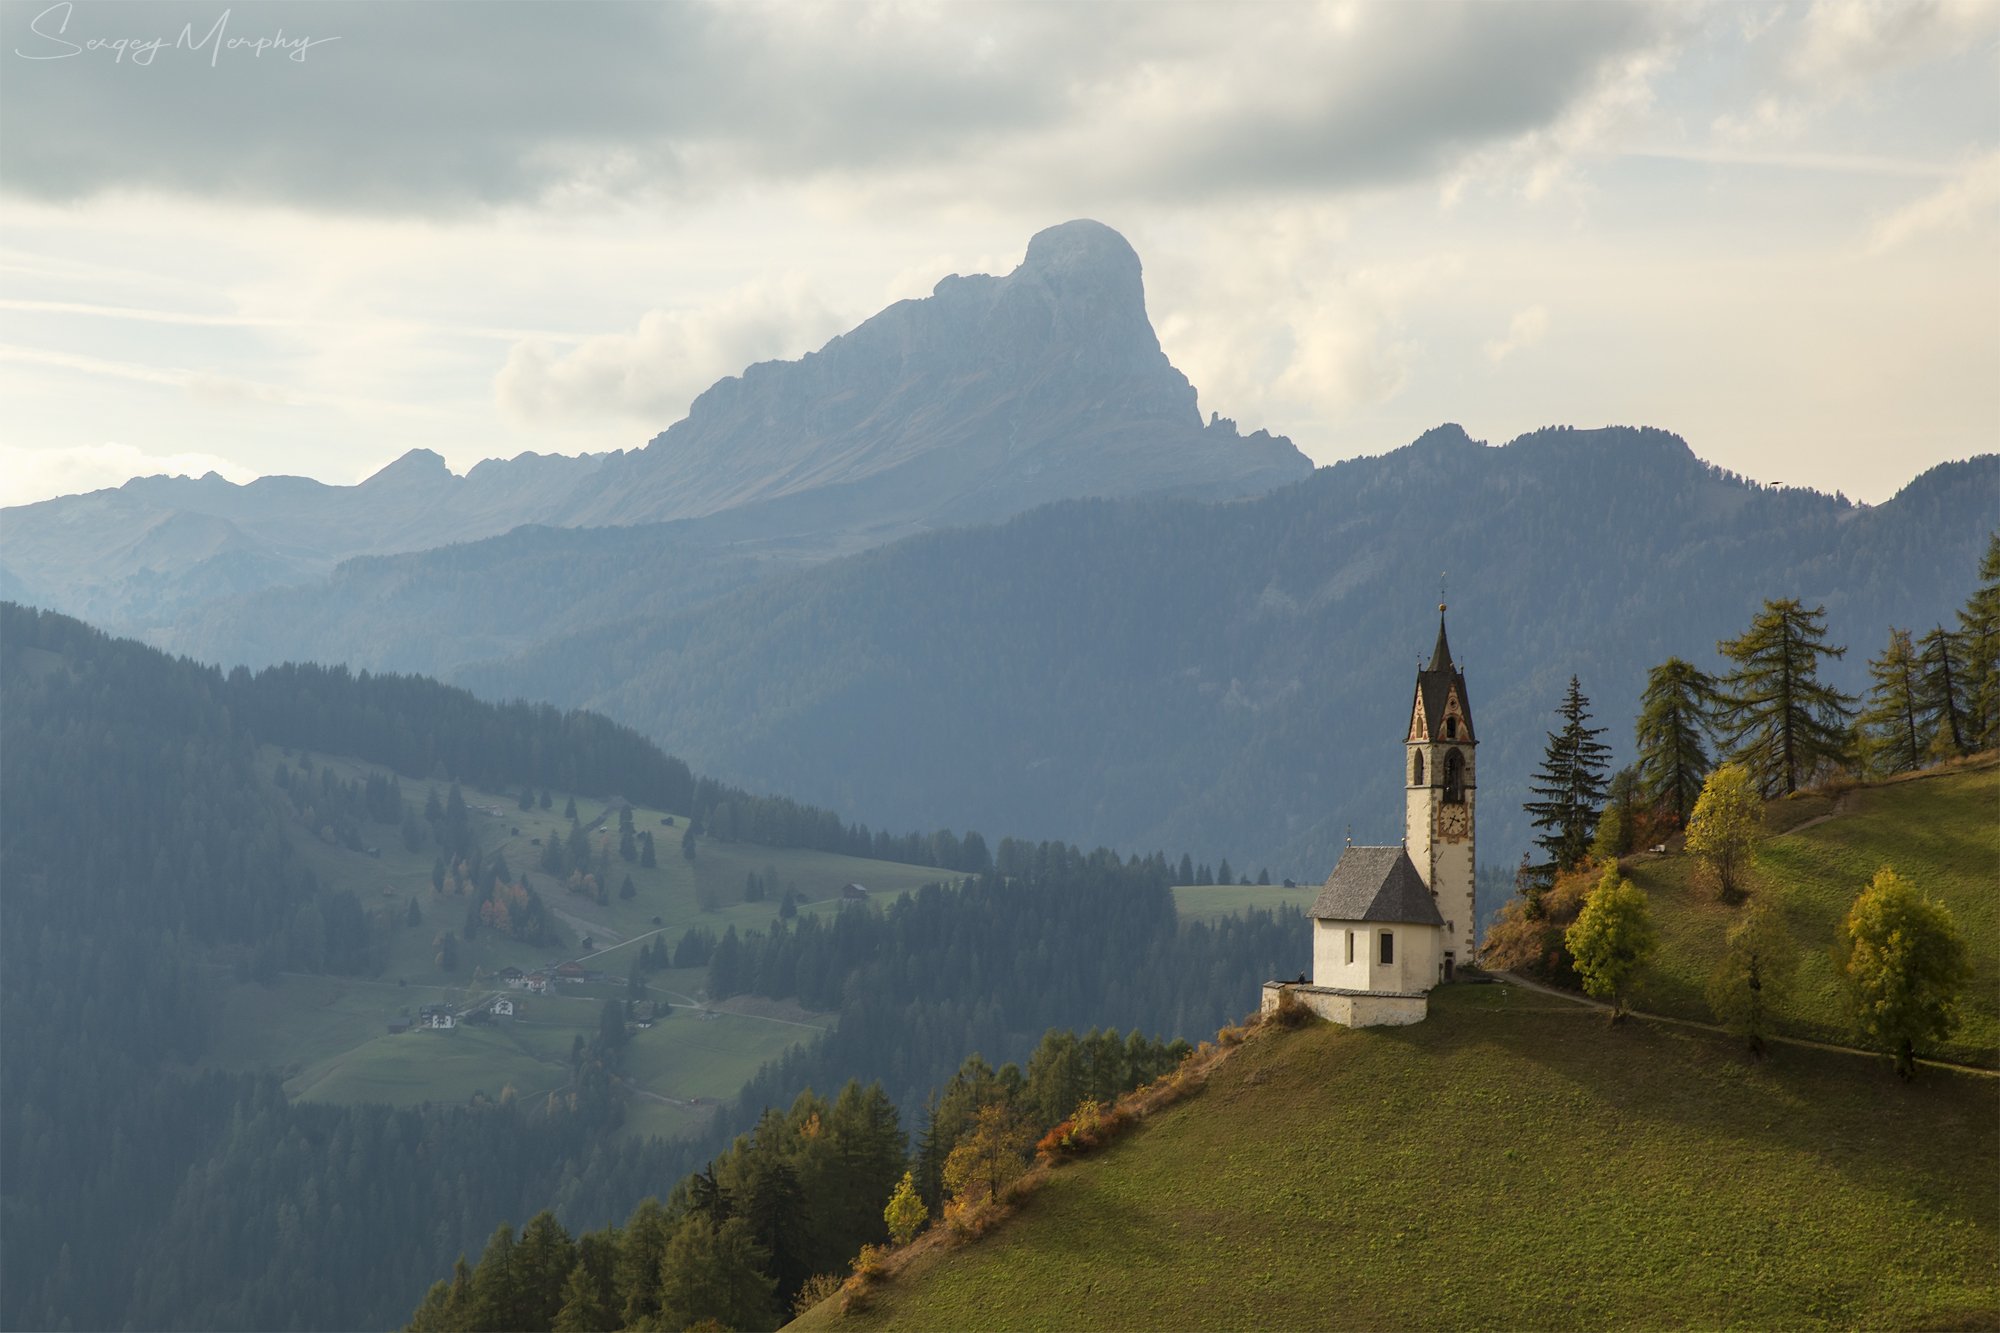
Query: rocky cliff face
x=990 y=396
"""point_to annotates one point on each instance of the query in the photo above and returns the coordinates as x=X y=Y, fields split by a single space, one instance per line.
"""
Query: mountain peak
x=1081 y=244
x=415 y=466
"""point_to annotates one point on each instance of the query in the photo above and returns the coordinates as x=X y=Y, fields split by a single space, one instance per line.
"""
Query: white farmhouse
x=1392 y=922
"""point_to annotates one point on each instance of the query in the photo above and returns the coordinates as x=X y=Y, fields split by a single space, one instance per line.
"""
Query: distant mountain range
x=1235 y=677
x=991 y=396
x=790 y=586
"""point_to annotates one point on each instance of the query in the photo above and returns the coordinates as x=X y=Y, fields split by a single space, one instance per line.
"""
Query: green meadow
x=1513 y=1162
x=1940 y=830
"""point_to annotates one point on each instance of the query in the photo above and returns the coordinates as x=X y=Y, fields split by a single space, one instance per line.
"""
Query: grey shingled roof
x=1434 y=682
x=1376 y=884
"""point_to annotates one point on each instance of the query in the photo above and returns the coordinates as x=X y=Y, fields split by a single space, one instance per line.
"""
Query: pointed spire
x=1441 y=655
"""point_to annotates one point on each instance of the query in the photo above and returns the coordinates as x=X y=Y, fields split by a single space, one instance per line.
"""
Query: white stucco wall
x=1350 y=1009
x=1418 y=956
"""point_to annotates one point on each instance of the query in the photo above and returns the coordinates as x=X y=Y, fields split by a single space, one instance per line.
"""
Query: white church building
x=1392 y=922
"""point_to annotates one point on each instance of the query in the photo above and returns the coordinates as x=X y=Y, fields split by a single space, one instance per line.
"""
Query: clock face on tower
x=1454 y=822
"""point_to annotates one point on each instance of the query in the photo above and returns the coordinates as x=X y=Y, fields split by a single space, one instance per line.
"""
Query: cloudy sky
x=306 y=238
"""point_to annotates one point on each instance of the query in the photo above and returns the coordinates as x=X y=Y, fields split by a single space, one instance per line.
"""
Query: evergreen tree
x=569 y=810
x=1782 y=722
x=1570 y=785
x=1979 y=632
x=687 y=843
x=585 y=1308
x=1674 y=724
x=547 y=799
x=628 y=890
x=1941 y=691
x=1185 y=875
x=647 y=857
x=1891 y=727
x=715 y=1273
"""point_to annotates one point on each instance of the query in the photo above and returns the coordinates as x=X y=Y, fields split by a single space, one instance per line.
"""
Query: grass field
x=328 y=1035
x=1512 y=1162
x=1942 y=832
x=1208 y=902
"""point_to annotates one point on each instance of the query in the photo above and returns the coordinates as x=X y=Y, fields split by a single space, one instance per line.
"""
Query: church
x=1392 y=922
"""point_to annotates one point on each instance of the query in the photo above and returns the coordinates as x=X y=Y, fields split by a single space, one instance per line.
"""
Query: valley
x=328 y=1036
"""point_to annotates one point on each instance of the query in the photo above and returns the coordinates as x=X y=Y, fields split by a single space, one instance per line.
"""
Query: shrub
x=1291 y=1012
x=817 y=1288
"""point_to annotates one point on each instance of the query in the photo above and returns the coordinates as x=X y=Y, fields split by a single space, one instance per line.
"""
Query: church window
x=1454 y=778
x=1417 y=769
x=1350 y=946
x=1388 y=948
x=1451 y=728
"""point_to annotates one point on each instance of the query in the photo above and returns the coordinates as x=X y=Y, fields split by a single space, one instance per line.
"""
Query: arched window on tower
x=1454 y=777
x=1451 y=728
x=1417 y=769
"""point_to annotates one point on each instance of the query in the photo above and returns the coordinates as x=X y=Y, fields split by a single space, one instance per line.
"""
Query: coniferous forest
x=147 y=865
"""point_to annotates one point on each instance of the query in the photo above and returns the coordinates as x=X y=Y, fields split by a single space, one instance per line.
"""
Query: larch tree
x=1979 y=631
x=1676 y=716
x=1611 y=939
x=1891 y=728
x=1570 y=786
x=1782 y=721
x=1723 y=829
x=1754 y=976
x=1904 y=966
x=1941 y=692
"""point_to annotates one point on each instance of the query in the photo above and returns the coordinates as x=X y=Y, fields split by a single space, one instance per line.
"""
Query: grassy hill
x=328 y=1035
x=1941 y=830
x=1511 y=1162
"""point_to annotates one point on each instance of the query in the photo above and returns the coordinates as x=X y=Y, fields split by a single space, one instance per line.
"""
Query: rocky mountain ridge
x=991 y=396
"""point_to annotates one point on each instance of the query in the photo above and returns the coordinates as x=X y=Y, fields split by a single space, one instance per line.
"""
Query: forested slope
x=1234 y=678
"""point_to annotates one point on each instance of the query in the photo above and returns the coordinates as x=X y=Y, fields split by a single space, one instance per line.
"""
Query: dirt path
x=1541 y=988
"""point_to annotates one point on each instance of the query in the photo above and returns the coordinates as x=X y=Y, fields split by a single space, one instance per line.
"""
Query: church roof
x=1376 y=884
x=1434 y=683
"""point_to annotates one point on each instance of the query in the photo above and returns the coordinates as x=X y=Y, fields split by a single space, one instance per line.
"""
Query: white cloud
x=1525 y=330
x=1963 y=204
x=653 y=373
x=27 y=475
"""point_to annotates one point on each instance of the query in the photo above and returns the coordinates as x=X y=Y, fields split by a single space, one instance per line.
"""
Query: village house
x=437 y=1016
x=503 y=1007
x=1392 y=922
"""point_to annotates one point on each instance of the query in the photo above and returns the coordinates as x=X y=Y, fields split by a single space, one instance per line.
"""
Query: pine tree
x=1570 y=785
x=1979 y=632
x=1782 y=722
x=1675 y=718
x=1941 y=691
x=1891 y=728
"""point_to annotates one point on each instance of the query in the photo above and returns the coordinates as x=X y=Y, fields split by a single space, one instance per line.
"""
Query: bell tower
x=1438 y=780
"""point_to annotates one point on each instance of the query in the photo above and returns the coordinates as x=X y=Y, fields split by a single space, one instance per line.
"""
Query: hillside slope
x=1511 y=1162
x=1940 y=830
